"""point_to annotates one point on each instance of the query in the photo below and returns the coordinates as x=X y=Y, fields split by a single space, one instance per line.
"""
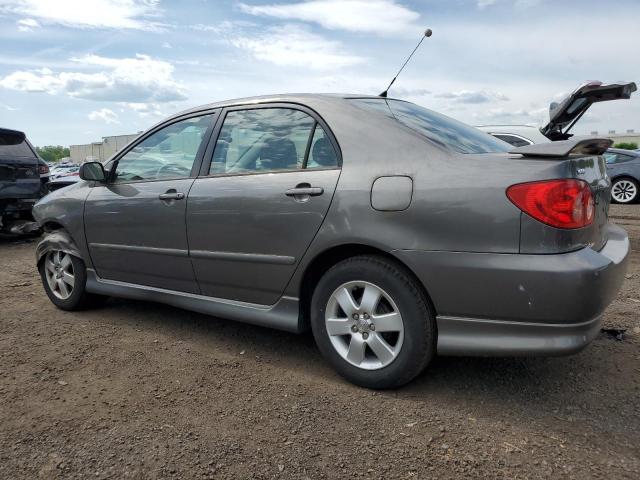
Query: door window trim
x=197 y=161
x=208 y=154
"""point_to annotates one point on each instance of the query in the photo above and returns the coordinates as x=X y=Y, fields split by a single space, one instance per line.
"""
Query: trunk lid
x=19 y=176
x=564 y=115
x=581 y=159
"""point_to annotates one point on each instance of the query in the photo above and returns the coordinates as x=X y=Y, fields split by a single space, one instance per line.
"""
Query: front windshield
x=438 y=128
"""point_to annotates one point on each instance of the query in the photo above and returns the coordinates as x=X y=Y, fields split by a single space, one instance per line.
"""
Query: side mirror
x=93 y=171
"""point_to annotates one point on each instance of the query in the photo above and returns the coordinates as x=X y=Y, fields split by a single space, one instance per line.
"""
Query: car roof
x=633 y=153
x=8 y=131
x=302 y=98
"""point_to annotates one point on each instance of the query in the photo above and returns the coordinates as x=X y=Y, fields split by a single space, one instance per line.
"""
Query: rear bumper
x=514 y=304
x=475 y=337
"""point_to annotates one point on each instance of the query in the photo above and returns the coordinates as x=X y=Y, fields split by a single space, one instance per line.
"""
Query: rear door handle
x=309 y=191
x=171 y=195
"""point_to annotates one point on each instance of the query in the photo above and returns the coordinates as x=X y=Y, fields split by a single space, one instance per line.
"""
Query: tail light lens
x=43 y=169
x=564 y=203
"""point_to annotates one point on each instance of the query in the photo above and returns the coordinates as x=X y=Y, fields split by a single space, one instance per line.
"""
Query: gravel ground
x=140 y=390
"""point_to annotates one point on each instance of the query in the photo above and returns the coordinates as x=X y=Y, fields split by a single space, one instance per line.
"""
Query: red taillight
x=43 y=169
x=560 y=203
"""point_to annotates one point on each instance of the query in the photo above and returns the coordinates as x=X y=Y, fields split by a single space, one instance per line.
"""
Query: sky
x=73 y=71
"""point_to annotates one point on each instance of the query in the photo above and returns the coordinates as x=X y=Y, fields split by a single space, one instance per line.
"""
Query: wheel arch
x=326 y=259
x=625 y=175
x=56 y=237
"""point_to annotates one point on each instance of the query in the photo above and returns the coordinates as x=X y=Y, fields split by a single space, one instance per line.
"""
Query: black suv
x=20 y=183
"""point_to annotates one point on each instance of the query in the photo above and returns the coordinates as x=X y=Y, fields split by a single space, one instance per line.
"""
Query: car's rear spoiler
x=564 y=148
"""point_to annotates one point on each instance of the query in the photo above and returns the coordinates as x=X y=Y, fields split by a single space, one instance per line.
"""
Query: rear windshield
x=436 y=127
x=13 y=146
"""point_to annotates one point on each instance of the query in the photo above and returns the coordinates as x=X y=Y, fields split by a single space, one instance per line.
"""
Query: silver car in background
x=391 y=231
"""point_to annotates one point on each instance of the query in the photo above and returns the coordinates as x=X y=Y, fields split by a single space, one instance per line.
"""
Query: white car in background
x=61 y=170
x=562 y=116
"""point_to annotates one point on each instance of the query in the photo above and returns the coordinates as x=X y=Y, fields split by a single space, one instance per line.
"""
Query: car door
x=135 y=223
x=264 y=190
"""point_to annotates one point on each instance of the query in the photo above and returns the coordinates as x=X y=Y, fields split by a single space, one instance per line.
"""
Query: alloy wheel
x=59 y=273
x=364 y=325
x=624 y=191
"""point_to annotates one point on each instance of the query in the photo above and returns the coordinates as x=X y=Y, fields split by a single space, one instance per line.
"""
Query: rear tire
x=625 y=190
x=64 y=278
x=373 y=323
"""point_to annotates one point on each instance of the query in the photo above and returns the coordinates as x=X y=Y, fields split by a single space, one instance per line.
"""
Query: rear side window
x=512 y=139
x=270 y=139
x=618 y=157
x=14 y=146
x=438 y=128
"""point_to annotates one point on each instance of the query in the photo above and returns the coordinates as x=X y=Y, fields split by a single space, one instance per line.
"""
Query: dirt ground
x=140 y=390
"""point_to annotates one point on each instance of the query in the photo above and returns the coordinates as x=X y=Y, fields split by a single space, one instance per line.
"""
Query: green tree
x=627 y=145
x=52 y=153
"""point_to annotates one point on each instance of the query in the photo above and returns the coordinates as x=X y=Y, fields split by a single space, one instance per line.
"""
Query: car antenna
x=427 y=33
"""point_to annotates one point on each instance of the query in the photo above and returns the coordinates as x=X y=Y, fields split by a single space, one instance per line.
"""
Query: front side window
x=167 y=153
x=270 y=139
x=438 y=128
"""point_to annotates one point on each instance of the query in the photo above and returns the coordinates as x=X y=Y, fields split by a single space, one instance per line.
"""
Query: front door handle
x=171 y=195
x=304 y=191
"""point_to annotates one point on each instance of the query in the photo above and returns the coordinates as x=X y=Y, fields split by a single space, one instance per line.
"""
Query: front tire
x=372 y=322
x=625 y=190
x=64 y=278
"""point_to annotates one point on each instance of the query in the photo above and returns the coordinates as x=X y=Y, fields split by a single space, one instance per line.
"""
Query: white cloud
x=140 y=79
x=482 y=4
x=474 y=96
x=379 y=16
x=291 y=45
x=27 y=24
x=497 y=116
x=8 y=107
x=146 y=109
x=127 y=14
x=486 y=3
x=105 y=115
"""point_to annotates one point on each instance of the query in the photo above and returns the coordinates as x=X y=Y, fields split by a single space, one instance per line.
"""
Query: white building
x=630 y=136
x=100 y=151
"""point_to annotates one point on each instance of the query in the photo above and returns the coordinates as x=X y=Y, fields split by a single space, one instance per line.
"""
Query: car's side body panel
x=246 y=236
x=135 y=237
x=65 y=208
x=283 y=315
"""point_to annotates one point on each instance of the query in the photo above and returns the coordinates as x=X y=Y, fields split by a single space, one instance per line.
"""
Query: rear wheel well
x=624 y=175
x=327 y=259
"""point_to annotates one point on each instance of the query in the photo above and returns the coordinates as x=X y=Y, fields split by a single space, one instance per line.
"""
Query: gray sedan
x=389 y=230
